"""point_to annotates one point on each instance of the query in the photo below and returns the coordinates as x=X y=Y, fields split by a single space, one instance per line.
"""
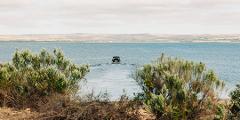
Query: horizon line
x=125 y=34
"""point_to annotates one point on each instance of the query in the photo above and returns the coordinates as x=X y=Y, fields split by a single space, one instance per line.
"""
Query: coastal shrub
x=179 y=89
x=220 y=113
x=235 y=103
x=30 y=76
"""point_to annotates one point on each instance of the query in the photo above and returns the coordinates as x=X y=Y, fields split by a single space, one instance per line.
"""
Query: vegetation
x=30 y=77
x=179 y=89
x=94 y=108
x=43 y=83
x=235 y=103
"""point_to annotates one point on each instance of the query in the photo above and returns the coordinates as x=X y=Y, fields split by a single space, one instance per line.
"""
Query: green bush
x=178 y=89
x=235 y=103
x=31 y=75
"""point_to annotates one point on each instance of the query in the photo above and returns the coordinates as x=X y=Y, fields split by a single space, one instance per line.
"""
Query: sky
x=120 y=16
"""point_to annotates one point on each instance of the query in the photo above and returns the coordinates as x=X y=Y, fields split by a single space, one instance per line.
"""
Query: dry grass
x=92 y=110
x=60 y=107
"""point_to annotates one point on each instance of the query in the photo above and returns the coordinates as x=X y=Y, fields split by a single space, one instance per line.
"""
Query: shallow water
x=224 y=58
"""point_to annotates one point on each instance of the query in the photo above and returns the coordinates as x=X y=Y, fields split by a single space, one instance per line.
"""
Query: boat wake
x=111 y=78
x=103 y=64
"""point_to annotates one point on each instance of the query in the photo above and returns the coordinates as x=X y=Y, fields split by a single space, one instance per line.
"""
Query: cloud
x=119 y=16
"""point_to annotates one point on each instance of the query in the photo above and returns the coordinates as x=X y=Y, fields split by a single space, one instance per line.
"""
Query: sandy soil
x=27 y=114
x=11 y=114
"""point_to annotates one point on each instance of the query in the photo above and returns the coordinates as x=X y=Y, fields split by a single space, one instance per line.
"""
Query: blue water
x=224 y=58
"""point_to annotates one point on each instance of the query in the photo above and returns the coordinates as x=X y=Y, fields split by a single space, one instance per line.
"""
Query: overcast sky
x=120 y=16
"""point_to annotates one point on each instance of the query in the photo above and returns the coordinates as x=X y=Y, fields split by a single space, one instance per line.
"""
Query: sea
x=117 y=79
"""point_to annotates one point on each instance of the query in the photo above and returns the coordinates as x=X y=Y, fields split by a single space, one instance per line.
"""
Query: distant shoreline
x=122 y=38
x=70 y=41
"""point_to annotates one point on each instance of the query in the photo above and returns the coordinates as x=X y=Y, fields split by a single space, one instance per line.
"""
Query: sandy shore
x=123 y=38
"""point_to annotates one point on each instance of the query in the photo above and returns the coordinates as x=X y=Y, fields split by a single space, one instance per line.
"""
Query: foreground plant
x=30 y=76
x=179 y=89
x=235 y=103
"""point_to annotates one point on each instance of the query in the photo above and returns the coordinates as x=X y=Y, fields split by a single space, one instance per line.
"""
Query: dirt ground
x=11 y=114
x=27 y=114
